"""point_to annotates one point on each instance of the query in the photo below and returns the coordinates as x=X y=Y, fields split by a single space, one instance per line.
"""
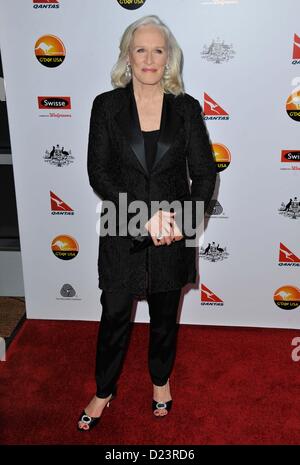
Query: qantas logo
x=58 y=206
x=296 y=50
x=45 y=4
x=212 y=110
x=209 y=298
x=287 y=257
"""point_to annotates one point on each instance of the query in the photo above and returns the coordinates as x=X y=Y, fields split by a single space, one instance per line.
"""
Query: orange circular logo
x=50 y=51
x=65 y=247
x=287 y=297
x=293 y=106
x=131 y=4
x=222 y=156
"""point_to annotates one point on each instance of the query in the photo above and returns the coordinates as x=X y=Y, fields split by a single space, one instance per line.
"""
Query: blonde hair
x=172 y=80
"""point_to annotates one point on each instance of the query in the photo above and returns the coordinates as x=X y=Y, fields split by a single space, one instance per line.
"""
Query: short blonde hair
x=172 y=79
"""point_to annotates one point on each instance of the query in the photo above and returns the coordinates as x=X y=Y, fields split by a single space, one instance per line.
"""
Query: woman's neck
x=146 y=92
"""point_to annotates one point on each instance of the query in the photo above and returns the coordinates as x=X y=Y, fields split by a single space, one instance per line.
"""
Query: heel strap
x=161 y=405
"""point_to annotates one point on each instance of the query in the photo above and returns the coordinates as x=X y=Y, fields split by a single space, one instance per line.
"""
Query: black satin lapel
x=169 y=127
x=137 y=139
x=129 y=123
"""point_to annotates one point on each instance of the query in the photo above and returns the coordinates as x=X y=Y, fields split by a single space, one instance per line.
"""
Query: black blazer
x=116 y=163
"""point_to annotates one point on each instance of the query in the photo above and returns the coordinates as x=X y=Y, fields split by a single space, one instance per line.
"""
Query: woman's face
x=148 y=54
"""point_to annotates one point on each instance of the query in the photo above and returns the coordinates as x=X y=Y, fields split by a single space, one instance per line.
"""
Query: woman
x=143 y=134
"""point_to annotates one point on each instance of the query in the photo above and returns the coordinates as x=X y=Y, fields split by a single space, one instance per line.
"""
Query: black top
x=150 y=142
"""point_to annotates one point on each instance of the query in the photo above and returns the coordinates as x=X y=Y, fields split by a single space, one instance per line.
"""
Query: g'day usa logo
x=50 y=51
x=131 y=4
x=65 y=247
x=55 y=103
x=222 y=156
x=287 y=297
x=293 y=105
x=37 y=4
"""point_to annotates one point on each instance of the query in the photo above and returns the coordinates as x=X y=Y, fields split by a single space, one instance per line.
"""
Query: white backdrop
x=236 y=54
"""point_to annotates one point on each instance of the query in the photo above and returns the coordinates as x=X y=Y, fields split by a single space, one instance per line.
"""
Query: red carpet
x=229 y=385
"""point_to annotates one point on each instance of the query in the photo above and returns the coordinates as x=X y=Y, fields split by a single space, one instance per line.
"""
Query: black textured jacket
x=116 y=163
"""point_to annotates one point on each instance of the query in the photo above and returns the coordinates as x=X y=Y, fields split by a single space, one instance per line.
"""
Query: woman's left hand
x=163 y=228
x=174 y=235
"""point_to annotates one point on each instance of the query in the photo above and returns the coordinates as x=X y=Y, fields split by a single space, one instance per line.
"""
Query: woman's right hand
x=162 y=223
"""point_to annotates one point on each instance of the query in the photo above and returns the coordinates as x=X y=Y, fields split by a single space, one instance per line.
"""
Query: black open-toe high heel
x=161 y=406
x=90 y=422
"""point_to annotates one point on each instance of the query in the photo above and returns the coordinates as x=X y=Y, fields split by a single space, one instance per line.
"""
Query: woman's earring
x=167 y=69
x=128 y=71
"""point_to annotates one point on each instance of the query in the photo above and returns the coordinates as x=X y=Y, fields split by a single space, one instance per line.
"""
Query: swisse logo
x=37 y=4
x=296 y=50
x=50 y=51
x=291 y=160
x=210 y=298
x=287 y=257
x=212 y=110
x=222 y=156
x=288 y=156
x=63 y=103
x=131 y=4
x=65 y=247
x=287 y=297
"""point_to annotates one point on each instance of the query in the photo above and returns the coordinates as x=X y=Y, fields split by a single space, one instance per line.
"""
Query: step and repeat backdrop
x=242 y=62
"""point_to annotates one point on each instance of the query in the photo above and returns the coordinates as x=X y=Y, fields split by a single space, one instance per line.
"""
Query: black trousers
x=114 y=335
